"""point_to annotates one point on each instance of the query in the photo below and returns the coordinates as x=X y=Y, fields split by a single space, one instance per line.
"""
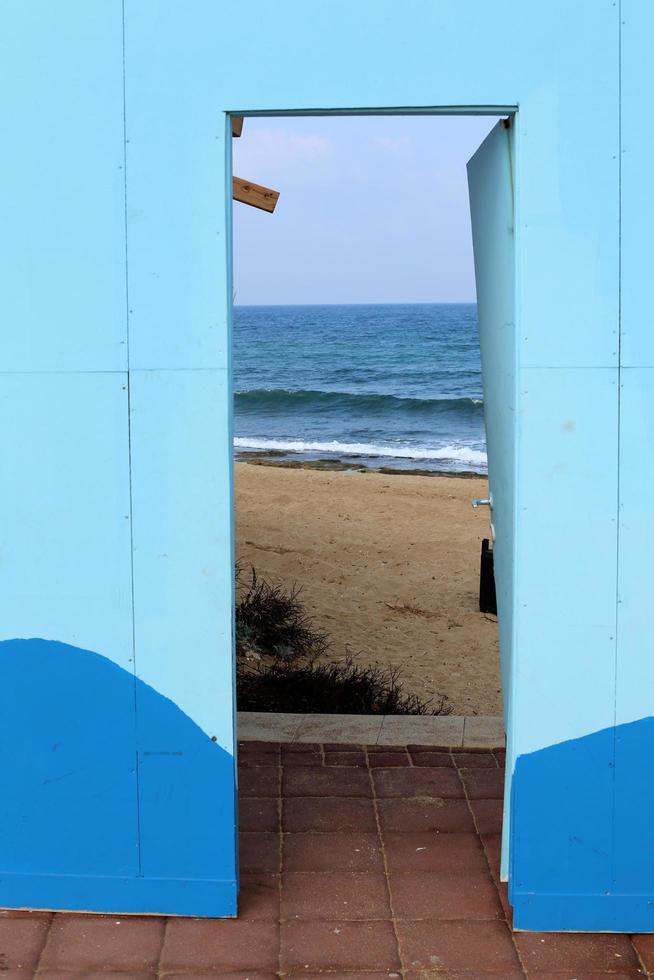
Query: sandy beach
x=388 y=565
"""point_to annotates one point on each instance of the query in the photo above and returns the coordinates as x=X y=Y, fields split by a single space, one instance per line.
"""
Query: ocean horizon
x=393 y=385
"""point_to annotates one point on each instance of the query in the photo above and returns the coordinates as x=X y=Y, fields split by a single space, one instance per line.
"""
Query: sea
x=393 y=386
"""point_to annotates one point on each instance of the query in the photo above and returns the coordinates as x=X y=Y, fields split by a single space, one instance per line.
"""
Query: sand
x=389 y=567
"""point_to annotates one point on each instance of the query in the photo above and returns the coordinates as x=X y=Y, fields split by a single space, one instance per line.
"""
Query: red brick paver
x=482 y=948
x=645 y=949
x=573 y=952
x=427 y=815
x=483 y=784
x=259 y=897
x=421 y=782
x=324 y=814
x=259 y=852
x=469 y=759
x=342 y=945
x=103 y=942
x=333 y=852
x=211 y=944
x=487 y=815
x=21 y=942
x=335 y=758
x=432 y=758
x=258 y=814
x=342 y=895
x=386 y=759
x=408 y=853
x=356 y=864
x=332 y=781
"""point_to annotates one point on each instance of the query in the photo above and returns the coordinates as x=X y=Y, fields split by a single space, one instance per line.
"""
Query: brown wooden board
x=254 y=194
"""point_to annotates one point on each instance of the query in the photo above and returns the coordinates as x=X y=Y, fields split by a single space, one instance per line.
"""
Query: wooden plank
x=237 y=125
x=254 y=194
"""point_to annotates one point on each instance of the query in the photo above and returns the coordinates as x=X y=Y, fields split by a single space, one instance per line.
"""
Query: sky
x=372 y=209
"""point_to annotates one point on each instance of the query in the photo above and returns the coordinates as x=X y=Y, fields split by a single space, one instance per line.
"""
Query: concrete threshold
x=454 y=731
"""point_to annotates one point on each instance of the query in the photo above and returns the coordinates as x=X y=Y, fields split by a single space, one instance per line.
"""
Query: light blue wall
x=116 y=589
x=116 y=256
x=634 y=788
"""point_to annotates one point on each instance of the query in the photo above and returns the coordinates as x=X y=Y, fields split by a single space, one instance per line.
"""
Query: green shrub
x=271 y=621
x=328 y=688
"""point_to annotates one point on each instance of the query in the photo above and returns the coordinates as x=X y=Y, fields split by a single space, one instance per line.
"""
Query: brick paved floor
x=360 y=863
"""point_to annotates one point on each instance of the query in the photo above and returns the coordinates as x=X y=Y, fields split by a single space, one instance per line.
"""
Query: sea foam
x=460 y=454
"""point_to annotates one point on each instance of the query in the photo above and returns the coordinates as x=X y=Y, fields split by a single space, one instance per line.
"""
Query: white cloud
x=274 y=147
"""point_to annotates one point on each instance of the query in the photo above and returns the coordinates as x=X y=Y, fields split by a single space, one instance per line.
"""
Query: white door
x=491 y=189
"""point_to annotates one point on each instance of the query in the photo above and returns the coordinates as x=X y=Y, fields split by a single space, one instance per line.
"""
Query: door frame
x=509 y=112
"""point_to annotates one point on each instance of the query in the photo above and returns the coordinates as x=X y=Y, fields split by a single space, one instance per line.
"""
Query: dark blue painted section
x=78 y=829
x=633 y=843
x=186 y=793
x=67 y=762
x=582 y=857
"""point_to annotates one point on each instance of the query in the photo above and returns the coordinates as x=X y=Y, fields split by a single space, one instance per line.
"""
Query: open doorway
x=359 y=400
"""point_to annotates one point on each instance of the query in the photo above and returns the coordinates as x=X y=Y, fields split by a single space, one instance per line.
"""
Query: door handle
x=481 y=501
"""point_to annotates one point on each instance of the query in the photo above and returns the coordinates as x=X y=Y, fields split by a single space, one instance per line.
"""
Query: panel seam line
x=129 y=450
x=619 y=458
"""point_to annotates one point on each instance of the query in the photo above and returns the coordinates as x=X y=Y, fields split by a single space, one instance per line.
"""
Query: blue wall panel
x=64 y=479
x=74 y=835
x=564 y=682
x=183 y=599
x=568 y=230
x=179 y=276
x=635 y=683
x=63 y=291
x=81 y=233
x=122 y=797
x=637 y=201
x=178 y=189
x=69 y=801
x=566 y=556
x=179 y=442
x=581 y=864
x=633 y=793
x=634 y=707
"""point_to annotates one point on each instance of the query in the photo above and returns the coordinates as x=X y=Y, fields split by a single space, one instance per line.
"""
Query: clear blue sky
x=373 y=209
